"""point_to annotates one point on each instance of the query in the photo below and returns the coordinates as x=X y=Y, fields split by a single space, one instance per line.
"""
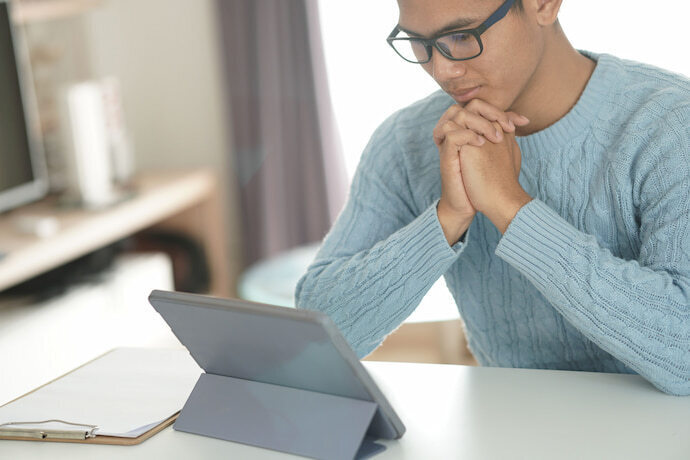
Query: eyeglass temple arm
x=498 y=14
x=394 y=32
x=427 y=42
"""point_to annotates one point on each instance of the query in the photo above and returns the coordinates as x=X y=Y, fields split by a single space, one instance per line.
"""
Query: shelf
x=26 y=11
x=159 y=196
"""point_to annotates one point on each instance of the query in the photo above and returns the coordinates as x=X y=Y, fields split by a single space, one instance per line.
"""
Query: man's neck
x=555 y=87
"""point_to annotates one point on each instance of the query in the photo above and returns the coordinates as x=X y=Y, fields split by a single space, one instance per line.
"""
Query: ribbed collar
x=581 y=117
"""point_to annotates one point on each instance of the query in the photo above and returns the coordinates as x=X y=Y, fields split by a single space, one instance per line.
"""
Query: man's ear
x=545 y=11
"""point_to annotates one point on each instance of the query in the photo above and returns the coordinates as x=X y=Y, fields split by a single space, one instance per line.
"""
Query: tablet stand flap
x=275 y=417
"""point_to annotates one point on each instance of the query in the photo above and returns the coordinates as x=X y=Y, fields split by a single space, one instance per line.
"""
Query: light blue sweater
x=593 y=274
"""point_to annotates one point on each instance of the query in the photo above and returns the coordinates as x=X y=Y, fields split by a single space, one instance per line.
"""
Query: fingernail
x=512 y=125
x=524 y=118
x=498 y=135
x=481 y=140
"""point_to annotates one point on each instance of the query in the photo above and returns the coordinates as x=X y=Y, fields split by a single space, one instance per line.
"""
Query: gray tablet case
x=276 y=377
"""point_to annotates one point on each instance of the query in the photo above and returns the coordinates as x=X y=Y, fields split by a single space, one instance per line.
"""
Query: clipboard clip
x=86 y=431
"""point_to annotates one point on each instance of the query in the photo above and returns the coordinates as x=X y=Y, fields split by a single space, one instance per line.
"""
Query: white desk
x=469 y=413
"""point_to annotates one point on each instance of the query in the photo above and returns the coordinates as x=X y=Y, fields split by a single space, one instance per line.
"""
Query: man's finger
x=518 y=120
x=449 y=114
x=508 y=120
x=455 y=137
x=481 y=117
x=479 y=124
x=441 y=132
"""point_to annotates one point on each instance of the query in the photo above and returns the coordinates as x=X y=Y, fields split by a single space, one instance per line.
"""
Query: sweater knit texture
x=593 y=274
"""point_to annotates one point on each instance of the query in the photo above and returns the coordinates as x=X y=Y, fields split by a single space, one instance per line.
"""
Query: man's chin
x=482 y=95
x=463 y=97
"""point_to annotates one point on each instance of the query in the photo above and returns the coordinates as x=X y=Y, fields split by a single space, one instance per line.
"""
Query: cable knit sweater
x=593 y=274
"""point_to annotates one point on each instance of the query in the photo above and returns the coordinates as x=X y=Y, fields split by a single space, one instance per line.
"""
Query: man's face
x=499 y=75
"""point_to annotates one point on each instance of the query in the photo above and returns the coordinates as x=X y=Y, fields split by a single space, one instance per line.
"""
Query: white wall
x=166 y=54
x=651 y=32
x=368 y=80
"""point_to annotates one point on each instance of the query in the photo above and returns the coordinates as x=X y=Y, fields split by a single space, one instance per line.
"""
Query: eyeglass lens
x=456 y=46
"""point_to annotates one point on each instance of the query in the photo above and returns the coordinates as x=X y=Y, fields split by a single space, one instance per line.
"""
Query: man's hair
x=518 y=6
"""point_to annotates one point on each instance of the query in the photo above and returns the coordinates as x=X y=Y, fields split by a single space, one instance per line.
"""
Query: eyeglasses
x=458 y=45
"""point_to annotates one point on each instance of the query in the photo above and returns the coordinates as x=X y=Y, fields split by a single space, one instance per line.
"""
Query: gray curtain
x=286 y=149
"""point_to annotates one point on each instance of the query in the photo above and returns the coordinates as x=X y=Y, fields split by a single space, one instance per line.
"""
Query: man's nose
x=443 y=68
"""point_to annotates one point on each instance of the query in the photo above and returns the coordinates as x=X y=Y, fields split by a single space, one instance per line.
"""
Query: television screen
x=20 y=174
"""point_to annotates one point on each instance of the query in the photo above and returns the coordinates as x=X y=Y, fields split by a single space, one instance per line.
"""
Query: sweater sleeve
x=637 y=310
x=380 y=258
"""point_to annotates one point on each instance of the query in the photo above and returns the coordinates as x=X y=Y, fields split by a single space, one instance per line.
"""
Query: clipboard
x=80 y=436
x=170 y=373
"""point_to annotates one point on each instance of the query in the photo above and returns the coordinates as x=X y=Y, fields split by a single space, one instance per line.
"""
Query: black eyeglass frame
x=496 y=16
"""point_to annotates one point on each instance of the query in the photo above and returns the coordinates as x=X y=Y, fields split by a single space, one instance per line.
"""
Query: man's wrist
x=505 y=214
x=453 y=227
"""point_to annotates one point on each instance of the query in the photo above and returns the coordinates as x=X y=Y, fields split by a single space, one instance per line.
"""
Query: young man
x=550 y=187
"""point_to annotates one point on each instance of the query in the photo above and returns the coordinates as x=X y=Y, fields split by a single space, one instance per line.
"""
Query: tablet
x=277 y=345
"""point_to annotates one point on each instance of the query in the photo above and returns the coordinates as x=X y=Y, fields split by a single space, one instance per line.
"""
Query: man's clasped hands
x=480 y=165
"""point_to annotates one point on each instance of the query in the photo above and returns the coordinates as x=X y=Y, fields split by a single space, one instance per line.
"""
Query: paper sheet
x=126 y=392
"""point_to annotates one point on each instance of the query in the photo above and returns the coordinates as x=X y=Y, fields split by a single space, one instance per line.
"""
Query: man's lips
x=465 y=95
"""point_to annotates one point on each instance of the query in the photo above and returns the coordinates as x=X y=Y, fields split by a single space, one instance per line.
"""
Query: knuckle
x=453 y=137
x=450 y=125
x=460 y=116
x=457 y=137
x=443 y=129
x=450 y=112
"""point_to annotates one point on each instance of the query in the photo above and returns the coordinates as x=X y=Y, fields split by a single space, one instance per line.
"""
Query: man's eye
x=458 y=38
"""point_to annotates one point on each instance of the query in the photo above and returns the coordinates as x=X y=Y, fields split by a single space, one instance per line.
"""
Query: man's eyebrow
x=457 y=24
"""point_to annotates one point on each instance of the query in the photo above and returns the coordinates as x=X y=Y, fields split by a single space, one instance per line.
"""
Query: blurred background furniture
x=184 y=200
x=40 y=339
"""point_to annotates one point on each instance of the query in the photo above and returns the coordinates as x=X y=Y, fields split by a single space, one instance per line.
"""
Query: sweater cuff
x=424 y=237
x=431 y=214
x=536 y=241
